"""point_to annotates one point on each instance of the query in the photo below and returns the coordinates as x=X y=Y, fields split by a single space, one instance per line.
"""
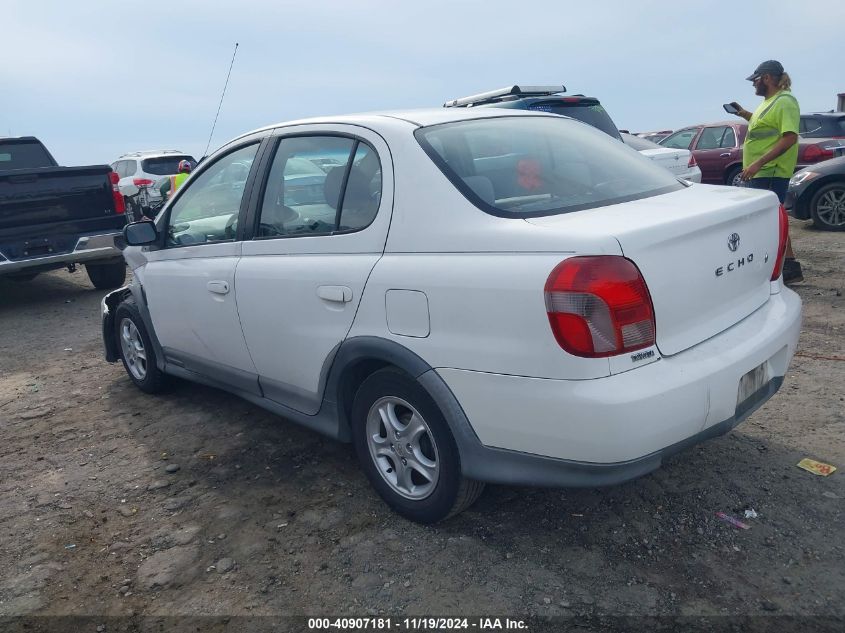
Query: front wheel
x=136 y=349
x=407 y=450
x=827 y=208
x=107 y=276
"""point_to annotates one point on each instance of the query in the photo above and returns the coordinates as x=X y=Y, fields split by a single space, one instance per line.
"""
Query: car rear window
x=822 y=127
x=164 y=165
x=588 y=110
x=639 y=143
x=26 y=155
x=531 y=166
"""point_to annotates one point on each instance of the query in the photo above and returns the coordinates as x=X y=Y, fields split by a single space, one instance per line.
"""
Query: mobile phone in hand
x=731 y=108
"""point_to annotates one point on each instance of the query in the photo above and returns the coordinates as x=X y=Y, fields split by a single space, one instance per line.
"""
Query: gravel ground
x=113 y=502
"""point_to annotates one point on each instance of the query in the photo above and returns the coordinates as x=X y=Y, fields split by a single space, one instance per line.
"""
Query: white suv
x=145 y=168
x=469 y=296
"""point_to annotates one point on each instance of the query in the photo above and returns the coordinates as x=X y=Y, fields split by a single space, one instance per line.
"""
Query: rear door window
x=320 y=185
x=532 y=166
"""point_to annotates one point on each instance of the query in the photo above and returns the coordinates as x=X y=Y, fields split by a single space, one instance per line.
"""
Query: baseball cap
x=768 y=67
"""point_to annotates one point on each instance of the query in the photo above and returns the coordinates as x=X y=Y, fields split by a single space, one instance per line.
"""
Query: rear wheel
x=732 y=176
x=107 y=276
x=827 y=207
x=136 y=349
x=407 y=450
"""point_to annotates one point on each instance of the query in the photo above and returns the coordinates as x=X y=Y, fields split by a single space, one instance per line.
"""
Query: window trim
x=271 y=151
x=246 y=197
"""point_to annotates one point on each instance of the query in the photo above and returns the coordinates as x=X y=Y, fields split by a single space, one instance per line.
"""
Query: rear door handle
x=218 y=287
x=725 y=155
x=338 y=294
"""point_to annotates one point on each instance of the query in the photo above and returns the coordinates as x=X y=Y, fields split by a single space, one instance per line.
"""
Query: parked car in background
x=145 y=169
x=818 y=192
x=717 y=148
x=654 y=137
x=55 y=217
x=543 y=99
x=823 y=125
x=680 y=162
x=480 y=295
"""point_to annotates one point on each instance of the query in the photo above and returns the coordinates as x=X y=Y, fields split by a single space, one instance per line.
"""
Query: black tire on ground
x=452 y=493
x=827 y=207
x=107 y=276
x=126 y=317
x=732 y=174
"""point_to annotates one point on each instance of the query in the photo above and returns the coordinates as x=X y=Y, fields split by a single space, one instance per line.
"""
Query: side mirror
x=140 y=233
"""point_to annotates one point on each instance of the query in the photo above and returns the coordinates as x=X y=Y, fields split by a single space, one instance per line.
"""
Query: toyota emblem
x=733 y=242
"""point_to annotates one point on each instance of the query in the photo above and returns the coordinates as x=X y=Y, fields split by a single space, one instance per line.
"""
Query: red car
x=717 y=148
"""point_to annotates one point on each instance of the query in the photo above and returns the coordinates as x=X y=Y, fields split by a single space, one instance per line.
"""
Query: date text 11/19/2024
x=416 y=624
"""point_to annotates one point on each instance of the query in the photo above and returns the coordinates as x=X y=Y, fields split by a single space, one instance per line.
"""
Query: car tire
x=419 y=474
x=107 y=276
x=827 y=207
x=136 y=349
x=732 y=176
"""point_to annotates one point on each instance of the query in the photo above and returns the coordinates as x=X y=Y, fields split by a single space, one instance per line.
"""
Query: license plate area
x=751 y=383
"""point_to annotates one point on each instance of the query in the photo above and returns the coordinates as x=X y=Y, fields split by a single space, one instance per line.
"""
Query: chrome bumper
x=87 y=248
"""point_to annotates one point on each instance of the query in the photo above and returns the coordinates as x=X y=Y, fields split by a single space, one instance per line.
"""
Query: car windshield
x=530 y=166
x=165 y=165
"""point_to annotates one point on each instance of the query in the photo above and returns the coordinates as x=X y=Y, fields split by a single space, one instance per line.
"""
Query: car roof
x=152 y=153
x=417 y=118
x=830 y=114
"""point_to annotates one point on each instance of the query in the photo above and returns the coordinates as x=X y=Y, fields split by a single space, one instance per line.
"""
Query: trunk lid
x=706 y=253
x=675 y=160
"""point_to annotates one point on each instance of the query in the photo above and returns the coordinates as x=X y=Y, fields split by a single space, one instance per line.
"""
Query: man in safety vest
x=172 y=183
x=770 y=151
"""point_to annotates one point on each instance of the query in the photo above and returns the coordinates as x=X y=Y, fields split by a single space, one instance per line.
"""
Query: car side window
x=317 y=186
x=680 y=140
x=207 y=211
x=711 y=138
x=729 y=139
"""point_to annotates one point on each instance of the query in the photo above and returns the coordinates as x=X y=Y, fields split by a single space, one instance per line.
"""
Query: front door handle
x=338 y=294
x=725 y=155
x=218 y=287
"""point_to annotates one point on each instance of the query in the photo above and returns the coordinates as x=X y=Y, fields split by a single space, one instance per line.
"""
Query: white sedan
x=468 y=296
x=680 y=162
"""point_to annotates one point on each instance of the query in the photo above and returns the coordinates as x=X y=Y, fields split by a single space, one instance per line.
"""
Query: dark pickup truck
x=54 y=217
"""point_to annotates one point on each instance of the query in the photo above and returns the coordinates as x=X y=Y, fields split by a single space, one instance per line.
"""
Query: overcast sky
x=94 y=79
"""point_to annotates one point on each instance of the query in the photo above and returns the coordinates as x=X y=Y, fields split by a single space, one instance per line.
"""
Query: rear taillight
x=119 y=206
x=783 y=236
x=142 y=182
x=692 y=162
x=599 y=306
x=816 y=154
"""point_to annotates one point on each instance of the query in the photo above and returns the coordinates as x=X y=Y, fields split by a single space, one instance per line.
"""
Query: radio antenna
x=205 y=153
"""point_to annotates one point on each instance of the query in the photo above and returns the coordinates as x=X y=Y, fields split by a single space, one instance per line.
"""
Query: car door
x=190 y=282
x=711 y=156
x=316 y=236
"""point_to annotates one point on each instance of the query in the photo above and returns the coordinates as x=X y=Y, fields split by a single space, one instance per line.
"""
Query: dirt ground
x=263 y=517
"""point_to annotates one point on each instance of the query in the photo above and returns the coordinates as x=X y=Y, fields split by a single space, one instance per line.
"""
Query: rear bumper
x=88 y=248
x=604 y=431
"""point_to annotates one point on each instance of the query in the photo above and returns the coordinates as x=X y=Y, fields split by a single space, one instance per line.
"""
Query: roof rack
x=502 y=95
